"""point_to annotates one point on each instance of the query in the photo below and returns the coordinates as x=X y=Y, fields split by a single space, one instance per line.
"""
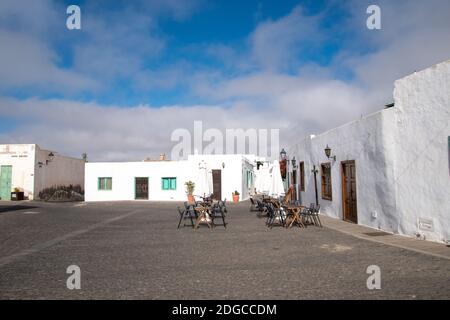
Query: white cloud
x=277 y=44
x=256 y=93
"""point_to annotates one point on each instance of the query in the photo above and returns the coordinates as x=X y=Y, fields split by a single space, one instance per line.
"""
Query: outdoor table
x=295 y=215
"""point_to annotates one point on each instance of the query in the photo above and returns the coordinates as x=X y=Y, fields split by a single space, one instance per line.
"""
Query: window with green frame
x=169 y=183
x=105 y=183
x=249 y=179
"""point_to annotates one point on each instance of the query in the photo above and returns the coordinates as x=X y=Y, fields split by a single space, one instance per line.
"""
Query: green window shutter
x=173 y=183
x=105 y=183
x=165 y=183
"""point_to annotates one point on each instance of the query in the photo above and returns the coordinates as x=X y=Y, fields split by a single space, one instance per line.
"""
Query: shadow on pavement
x=15 y=207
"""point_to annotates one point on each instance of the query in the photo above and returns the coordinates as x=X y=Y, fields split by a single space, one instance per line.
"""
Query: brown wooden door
x=141 y=188
x=217 y=184
x=349 y=202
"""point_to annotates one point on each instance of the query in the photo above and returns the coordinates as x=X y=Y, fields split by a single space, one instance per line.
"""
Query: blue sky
x=184 y=38
x=145 y=68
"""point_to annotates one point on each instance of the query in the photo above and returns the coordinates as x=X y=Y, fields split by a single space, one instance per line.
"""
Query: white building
x=391 y=168
x=164 y=180
x=32 y=169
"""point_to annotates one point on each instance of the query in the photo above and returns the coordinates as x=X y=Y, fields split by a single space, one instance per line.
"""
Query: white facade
x=234 y=170
x=32 y=169
x=402 y=160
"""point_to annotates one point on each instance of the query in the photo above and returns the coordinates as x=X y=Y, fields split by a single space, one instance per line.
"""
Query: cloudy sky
x=137 y=70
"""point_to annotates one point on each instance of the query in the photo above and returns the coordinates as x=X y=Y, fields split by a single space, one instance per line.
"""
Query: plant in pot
x=17 y=195
x=190 y=187
x=235 y=196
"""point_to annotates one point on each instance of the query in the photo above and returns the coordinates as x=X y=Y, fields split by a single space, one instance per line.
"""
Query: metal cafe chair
x=311 y=215
x=187 y=213
x=218 y=210
x=275 y=212
x=315 y=215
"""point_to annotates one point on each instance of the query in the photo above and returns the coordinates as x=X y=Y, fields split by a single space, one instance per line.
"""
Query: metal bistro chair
x=218 y=210
x=187 y=213
x=311 y=215
x=262 y=210
x=315 y=215
x=274 y=212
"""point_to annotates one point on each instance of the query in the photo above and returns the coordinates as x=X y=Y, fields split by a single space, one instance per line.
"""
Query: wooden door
x=217 y=184
x=349 y=202
x=141 y=188
x=5 y=182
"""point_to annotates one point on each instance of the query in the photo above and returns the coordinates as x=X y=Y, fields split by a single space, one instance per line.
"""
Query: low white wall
x=21 y=157
x=123 y=174
x=232 y=166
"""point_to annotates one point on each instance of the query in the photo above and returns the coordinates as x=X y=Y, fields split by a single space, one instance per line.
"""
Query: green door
x=5 y=182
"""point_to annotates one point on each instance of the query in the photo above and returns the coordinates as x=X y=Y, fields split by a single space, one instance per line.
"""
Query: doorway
x=5 y=182
x=141 y=188
x=217 y=184
x=349 y=202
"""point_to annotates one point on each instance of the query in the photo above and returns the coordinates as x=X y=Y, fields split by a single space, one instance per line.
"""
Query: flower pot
x=191 y=198
x=235 y=198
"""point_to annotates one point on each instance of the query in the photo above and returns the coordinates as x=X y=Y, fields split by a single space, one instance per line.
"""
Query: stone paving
x=132 y=250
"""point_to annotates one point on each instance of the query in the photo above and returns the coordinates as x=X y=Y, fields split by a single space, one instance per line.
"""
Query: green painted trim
x=99 y=184
x=169 y=183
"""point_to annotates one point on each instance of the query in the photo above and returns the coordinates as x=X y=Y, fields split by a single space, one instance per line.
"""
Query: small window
x=105 y=183
x=249 y=178
x=302 y=176
x=326 y=181
x=169 y=183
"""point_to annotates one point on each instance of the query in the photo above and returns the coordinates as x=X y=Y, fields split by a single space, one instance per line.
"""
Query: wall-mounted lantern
x=294 y=163
x=223 y=165
x=328 y=153
x=50 y=158
x=283 y=154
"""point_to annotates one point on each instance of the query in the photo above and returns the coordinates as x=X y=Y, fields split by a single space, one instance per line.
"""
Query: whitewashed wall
x=123 y=174
x=61 y=170
x=401 y=156
x=422 y=115
x=21 y=157
x=367 y=142
x=232 y=166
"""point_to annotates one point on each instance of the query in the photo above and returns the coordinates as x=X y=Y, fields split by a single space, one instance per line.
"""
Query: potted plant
x=235 y=196
x=17 y=195
x=190 y=186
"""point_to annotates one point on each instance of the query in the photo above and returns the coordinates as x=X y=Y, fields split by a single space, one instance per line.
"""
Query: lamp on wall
x=328 y=153
x=294 y=163
x=283 y=154
x=223 y=165
x=50 y=158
